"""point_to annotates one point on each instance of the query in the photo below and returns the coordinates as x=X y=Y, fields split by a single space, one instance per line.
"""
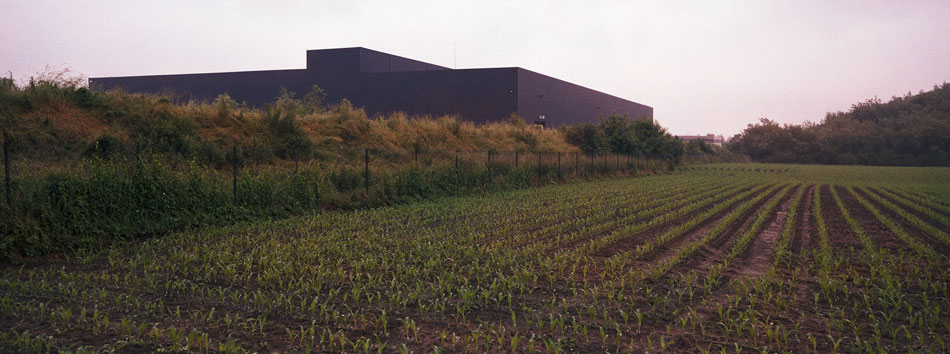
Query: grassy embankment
x=88 y=167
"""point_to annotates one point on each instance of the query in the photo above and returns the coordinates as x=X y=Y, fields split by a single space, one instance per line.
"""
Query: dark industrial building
x=383 y=83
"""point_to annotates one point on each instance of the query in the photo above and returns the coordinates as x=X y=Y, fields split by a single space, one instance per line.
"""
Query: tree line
x=913 y=130
x=620 y=134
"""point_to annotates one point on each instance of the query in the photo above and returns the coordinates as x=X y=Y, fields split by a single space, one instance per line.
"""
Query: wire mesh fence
x=86 y=200
x=349 y=170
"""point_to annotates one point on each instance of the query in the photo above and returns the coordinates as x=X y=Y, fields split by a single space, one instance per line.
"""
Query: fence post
x=234 y=168
x=539 y=163
x=296 y=163
x=415 y=154
x=135 y=159
x=516 y=158
x=559 y=163
x=488 y=165
x=576 y=163
x=6 y=169
x=131 y=160
x=366 y=170
x=458 y=174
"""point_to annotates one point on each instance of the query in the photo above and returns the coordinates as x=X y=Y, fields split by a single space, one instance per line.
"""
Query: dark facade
x=384 y=83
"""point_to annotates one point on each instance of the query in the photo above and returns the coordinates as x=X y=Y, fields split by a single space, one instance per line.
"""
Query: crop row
x=648 y=264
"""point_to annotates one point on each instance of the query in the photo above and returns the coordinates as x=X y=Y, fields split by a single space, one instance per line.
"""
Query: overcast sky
x=704 y=66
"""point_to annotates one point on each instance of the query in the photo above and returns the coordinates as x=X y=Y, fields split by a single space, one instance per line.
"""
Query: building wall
x=477 y=95
x=254 y=87
x=562 y=103
x=336 y=71
x=383 y=83
x=372 y=61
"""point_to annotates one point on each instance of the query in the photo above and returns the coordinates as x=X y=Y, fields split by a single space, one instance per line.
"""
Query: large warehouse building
x=383 y=83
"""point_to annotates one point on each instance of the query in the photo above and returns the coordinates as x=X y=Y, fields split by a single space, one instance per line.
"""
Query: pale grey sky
x=704 y=66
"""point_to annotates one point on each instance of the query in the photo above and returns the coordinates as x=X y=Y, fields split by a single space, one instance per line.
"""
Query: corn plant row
x=583 y=220
x=94 y=321
x=788 y=229
x=502 y=273
x=623 y=257
x=824 y=244
x=940 y=235
x=873 y=257
x=658 y=211
x=331 y=240
x=715 y=271
x=619 y=261
x=897 y=230
x=922 y=199
x=432 y=211
x=666 y=265
x=573 y=262
x=564 y=257
x=886 y=291
x=904 y=200
x=608 y=195
x=688 y=281
x=869 y=247
x=524 y=214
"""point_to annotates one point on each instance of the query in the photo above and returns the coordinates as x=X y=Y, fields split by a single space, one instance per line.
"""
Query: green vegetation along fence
x=91 y=201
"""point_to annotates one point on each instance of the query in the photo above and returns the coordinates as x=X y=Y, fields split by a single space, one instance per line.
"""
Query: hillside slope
x=50 y=121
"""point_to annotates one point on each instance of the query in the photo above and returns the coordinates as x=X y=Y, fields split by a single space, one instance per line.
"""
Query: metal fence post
x=135 y=159
x=516 y=158
x=6 y=169
x=234 y=170
x=488 y=165
x=366 y=169
x=539 y=162
x=558 y=163
x=576 y=163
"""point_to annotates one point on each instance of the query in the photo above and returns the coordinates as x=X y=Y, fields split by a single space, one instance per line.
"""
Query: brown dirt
x=840 y=236
x=632 y=241
x=802 y=240
x=911 y=229
x=712 y=252
x=926 y=218
x=758 y=257
x=877 y=232
x=802 y=313
x=621 y=210
x=923 y=196
x=673 y=246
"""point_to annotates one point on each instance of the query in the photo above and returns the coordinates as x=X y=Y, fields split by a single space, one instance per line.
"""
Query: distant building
x=709 y=139
x=383 y=83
